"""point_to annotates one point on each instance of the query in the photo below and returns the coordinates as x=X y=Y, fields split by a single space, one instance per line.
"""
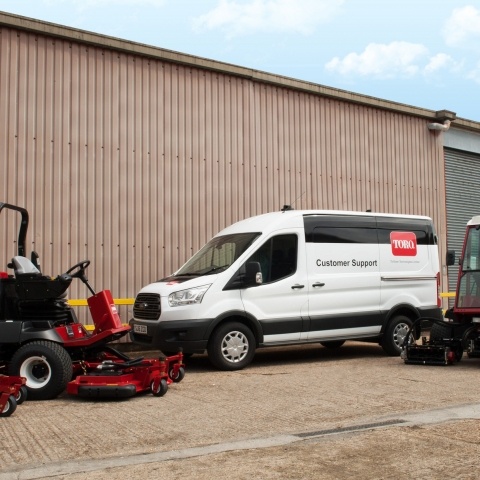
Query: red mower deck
x=121 y=377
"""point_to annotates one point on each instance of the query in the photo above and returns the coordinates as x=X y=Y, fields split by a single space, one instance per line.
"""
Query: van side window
x=364 y=229
x=340 y=229
x=277 y=257
x=345 y=235
x=423 y=229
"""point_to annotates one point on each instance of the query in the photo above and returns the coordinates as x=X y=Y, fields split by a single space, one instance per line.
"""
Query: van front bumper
x=189 y=335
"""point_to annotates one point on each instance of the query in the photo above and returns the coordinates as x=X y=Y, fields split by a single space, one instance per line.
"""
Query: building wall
x=134 y=161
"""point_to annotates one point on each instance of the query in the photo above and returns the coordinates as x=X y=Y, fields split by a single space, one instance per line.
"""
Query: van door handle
x=318 y=285
x=297 y=286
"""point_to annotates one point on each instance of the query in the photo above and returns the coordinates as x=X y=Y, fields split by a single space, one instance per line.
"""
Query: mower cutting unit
x=438 y=350
x=121 y=377
x=460 y=331
x=42 y=340
x=13 y=392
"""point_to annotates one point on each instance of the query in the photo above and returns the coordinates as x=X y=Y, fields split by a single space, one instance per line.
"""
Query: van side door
x=343 y=276
x=280 y=303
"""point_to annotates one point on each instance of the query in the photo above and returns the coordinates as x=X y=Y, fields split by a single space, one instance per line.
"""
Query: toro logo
x=404 y=244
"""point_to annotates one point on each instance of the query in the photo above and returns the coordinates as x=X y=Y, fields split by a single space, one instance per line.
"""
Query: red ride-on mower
x=459 y=333
x=109 y=373
x=40 y=336
x=13 y=392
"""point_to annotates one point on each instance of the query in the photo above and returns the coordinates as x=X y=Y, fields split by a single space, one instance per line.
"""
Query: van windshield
x=217 y=255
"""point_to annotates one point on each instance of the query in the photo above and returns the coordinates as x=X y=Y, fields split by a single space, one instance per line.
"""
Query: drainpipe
x=443 y=127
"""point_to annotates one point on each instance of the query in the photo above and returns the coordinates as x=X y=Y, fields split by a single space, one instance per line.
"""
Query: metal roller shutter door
x=463 y=200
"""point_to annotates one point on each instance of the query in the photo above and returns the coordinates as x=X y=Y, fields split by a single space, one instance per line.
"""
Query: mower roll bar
x=22 y=232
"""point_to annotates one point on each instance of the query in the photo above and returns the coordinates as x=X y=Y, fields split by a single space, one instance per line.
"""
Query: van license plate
x=140 y=329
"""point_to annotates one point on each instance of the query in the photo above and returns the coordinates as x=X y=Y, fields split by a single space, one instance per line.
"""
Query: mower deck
x=121 y=377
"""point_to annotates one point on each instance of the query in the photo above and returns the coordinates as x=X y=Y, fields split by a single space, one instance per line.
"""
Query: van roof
x=294 y=219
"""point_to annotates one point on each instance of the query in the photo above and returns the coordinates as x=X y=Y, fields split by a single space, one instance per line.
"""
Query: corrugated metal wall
x=135 y=162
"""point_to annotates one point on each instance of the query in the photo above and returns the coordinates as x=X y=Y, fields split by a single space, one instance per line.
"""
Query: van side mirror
x=253 y=274
x=248 y=275
x=450 y=258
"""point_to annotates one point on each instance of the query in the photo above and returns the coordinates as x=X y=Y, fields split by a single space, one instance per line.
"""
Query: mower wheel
x=161 y=390
x=468 y=336
x=394 y=336
x=9 y=407
x=21 y=395
x=179 y=376
x=439 y=331
x=46 y=366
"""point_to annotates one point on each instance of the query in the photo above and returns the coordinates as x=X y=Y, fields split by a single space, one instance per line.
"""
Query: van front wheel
x=395 y=334
x=231 y=347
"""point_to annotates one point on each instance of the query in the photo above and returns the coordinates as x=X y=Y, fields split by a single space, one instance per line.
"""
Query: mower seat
x=23 y=265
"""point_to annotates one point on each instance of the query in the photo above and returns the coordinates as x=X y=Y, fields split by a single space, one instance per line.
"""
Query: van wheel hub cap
x=235 y=346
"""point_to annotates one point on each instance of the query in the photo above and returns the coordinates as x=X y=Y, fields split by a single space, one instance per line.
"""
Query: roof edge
x=127 y=46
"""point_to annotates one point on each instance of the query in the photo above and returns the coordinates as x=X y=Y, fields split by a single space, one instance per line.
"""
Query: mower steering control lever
x=79 y=272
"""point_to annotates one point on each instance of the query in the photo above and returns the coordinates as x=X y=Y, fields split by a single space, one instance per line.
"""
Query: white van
x=295 y=277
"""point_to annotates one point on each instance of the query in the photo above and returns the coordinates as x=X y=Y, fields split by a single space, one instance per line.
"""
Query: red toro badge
x=404 y=244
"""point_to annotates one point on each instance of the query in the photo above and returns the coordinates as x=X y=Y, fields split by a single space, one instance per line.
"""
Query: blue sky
x=424 y=53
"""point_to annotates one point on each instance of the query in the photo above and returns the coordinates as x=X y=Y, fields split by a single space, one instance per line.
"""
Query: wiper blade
x=214 y=269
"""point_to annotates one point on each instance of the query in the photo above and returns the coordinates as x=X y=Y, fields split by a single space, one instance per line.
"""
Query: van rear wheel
x=231 y=346
x=395 y=334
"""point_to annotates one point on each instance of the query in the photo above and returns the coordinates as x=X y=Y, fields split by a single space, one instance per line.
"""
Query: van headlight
x=187 y=297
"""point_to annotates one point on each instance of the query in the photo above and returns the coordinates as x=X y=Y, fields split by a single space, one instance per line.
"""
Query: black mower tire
x=21 y=395
x=9 y=407
x=394 y=335
x=178 y=377
x=231 y=346
x=47 y=367
x=439 y=331
x=161 y=390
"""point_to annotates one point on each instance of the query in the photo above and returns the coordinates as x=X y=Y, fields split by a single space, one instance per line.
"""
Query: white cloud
x=463 y=26
x=440 y=62
x=238 y=17
x=382 y=61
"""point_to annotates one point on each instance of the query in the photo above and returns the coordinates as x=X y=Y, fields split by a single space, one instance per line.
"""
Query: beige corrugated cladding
x=133 y=156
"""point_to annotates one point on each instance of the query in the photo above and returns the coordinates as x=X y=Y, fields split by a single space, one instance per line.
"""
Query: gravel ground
x=296 y=412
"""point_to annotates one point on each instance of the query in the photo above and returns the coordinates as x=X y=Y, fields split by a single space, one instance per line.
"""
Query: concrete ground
x=295 y=413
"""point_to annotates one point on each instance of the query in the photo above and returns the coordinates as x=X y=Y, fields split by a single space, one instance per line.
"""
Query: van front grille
x=147 y=306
